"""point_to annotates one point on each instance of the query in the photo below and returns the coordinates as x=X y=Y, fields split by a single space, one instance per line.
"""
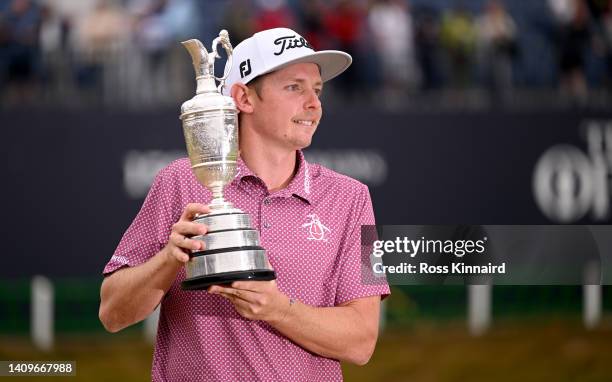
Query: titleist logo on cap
x=290 y=42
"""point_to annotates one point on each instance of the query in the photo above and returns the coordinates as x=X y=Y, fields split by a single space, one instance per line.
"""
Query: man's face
x=288 y=110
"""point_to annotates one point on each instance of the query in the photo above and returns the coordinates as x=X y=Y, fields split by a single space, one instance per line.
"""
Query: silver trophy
x=210 y=125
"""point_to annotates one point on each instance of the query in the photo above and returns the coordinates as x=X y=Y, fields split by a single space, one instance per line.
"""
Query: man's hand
x=130 y=294
x=346 y=332
x=255 y=300
x=179 y=244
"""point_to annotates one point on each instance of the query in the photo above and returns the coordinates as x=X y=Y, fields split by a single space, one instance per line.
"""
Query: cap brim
x=331 y=63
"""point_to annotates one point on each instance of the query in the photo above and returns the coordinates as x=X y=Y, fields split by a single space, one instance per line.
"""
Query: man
x=318 y=311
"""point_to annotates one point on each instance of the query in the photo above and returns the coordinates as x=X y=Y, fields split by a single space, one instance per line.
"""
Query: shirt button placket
x=265 y=214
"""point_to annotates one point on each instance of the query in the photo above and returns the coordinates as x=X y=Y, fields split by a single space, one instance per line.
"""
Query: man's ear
x=242 y=96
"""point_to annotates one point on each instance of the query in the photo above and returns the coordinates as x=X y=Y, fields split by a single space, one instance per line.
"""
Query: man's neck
x=275 y=167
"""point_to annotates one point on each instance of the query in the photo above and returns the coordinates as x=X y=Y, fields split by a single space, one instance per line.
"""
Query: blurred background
x=417 y=54
x=453 y=112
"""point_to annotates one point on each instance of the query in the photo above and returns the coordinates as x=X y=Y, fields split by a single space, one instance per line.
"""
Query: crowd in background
x=462 y=53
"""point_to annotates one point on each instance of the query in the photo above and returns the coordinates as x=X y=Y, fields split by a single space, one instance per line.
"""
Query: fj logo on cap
x=290 y=42
x=245 y=68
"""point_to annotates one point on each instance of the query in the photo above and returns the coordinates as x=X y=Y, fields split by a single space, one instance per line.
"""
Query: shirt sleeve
x=150 y=230
x=354 y=278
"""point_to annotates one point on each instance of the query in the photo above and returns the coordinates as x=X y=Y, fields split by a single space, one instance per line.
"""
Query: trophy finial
x=204 y=62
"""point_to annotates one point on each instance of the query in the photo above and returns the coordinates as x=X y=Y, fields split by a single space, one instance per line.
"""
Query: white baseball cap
x=273 y=49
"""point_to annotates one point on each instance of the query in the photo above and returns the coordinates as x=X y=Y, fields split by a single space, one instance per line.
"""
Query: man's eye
x=293 y=87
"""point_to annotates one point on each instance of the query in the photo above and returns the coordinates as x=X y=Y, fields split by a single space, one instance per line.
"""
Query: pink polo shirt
x=311 y=232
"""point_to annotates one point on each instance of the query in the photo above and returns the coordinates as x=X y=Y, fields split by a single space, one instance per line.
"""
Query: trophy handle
x=223 y=39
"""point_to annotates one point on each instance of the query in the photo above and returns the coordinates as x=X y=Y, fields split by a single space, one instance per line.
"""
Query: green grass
x=99 y=357
x=536 y=350
x=547 y=348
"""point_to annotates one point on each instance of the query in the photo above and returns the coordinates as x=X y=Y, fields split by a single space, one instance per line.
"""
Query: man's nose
x=312 y=100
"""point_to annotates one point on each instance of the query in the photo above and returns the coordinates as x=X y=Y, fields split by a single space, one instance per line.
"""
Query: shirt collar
x=299 y=185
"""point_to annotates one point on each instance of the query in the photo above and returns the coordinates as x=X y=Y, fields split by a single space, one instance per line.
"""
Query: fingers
x=268 y=263
x=244 y=308
x=194 y=209
x=266 y=304
x=244 y=301
x=251 y=305
x=178 y=254
x=180 y=242
x=188 y=228
x=184 y=242
x=183 y=231
x=240 y=294
x=253 y=286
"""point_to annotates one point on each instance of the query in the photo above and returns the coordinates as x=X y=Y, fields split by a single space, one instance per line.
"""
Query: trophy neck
x=218 y=202
x=206 y=84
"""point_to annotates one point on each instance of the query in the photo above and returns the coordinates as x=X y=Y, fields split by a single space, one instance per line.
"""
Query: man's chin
x=302 y=144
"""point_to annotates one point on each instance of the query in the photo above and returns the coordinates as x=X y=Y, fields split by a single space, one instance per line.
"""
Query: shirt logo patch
x=316 y=230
